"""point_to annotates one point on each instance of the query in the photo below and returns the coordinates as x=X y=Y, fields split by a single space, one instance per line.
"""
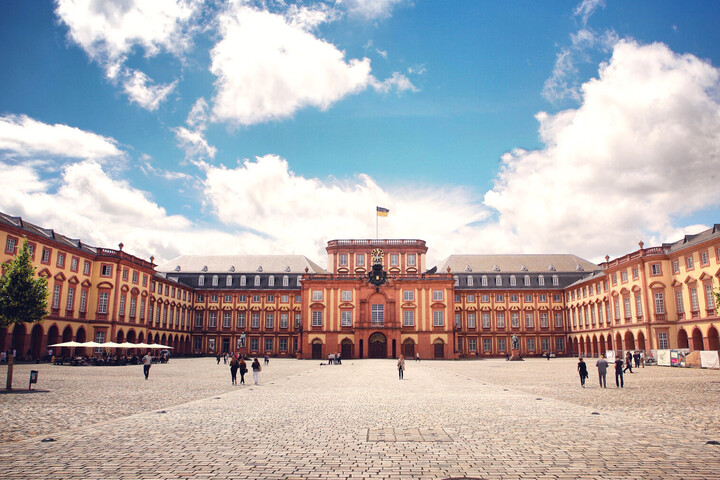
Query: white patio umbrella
x=157 y=345
x=110 y=345
x=66 y=344
x=141 y=345
x=91 y=345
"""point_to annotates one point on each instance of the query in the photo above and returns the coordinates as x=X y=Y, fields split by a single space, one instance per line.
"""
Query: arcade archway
x=377 y=346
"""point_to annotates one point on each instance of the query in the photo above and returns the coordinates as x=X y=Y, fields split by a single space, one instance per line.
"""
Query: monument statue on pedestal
x=515 y=342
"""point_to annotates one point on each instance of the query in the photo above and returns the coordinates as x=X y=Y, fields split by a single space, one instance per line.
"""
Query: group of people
x=334 y=359
x=238 y=363
x=621 y=366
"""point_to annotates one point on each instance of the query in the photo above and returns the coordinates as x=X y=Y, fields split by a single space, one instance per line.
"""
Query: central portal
x=377 y=347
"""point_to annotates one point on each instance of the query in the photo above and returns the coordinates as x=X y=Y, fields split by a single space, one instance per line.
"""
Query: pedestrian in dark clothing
x=218 y=359
x=602 y=365
x=636 y=357
x=582 y=370
x=233 y=369
x=242 y=366
x=628 y=362
x=619 y=373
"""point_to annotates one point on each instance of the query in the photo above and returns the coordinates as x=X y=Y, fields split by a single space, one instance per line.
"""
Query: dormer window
x=496 y=268
x=579 y=268
x=470 y=281
x=457 y=280
x=526 y=280
x=243 y=280
x=201 y=280
x=467 y=268
x=177 y=269
x=498 y=280
x=228 y=281
x=257 y=280
x=299 y=278
x=484 y=281
x=285 y=280
x=259 y=269
x=215 y=281
x=523 y=268
x=271 y=281
x=204 y=269
x=287 y=269
x=232 y=268
x=551 y=268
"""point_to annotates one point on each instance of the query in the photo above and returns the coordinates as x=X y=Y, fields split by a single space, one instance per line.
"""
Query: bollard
x=33 y=378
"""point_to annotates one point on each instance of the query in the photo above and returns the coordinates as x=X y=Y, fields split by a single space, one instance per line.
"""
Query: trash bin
x=33 y=378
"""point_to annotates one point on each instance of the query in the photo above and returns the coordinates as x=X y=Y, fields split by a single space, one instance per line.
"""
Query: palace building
x=376 y=299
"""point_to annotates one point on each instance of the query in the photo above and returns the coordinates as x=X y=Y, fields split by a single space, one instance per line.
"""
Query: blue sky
x=190 y=126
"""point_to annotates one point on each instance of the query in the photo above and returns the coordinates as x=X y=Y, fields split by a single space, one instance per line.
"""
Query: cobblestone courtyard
x=480 y=419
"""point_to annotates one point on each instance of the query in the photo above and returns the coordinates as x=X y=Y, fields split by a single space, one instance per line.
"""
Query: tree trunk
x=11 y=358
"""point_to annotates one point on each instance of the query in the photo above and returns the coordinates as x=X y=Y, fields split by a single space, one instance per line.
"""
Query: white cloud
x=397 y=81
x=641 y=150
x=194 y=143
x=586 y=8
x=302 y=214
x=109 y=32
x=24 y=137
x=148 y=96
x=370 y=9
x=267 y=69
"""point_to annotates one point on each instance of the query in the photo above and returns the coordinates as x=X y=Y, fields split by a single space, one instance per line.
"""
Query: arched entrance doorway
x=641 y=341
x=629 y=341
x=18 y=339
x=595 y=346
x=682 y=339
x=439 y=348
x=609 y=342
x=53 y=337
x=409 y=348
x=80 y=338
x=377 y=347
x=697 y=340
x=618 y=341
x=713 y=339
x=317 y=349
x=36 y=336
x=346 y=349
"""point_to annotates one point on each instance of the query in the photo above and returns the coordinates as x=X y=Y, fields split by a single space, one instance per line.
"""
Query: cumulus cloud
x=586 y=8
x=370 y=9
x=397 y=82
x=267 y=68
x=292 y=211
x=22 y=137
x=109 y=32
x=641 y=150
x=193 y=141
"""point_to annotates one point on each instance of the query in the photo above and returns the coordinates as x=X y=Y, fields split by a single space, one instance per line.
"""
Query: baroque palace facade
x=287 y=305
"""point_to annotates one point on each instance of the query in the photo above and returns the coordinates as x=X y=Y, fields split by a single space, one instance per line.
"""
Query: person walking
x=401 y=366
x=582 y=370
x=636 y=357
x=147 y=363
x=256 y=368
x=619 y=383
x=628 y=362
x=242 y=366
x=417 y=356
x=233 y=369
x=218 y=358
x=602 y=365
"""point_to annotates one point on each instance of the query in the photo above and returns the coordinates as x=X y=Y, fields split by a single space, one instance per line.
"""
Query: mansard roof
x=517 y=263
x=219 y=264
x=50 y=234
x=691 y=240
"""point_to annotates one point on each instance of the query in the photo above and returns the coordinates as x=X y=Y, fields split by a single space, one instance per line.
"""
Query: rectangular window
x=10 y=245
x=60 y=260
x=142 y=309
x=654 y=269
x=241 y=319
x=227 y=319
x=298 y=298
x=242 y=298
x=135 y=277
x=70 y=299
x=86 y=268
x=514 y=298
x=56 y=297
x=515 y=320
x=498 y=281
x=144 y=282
x=471 y=320
x=484 y=281
x=689 y=262
x=659 y=303
x=457 y=298
x=541 y=280
x=284 y=298
x=617 y=308
x=485 y=298
x=471 y=298
x=317 y=295
x=317 y=318
x=254 y=344
x=347 y=295
x=529 y=320
x=254 y=320
x=555 y=280
x=531 y=344
x=528 y=298
x=106 y=271
x=614 y=278
x=408 y=295
x=411 y=259
x=227 y=299
x=360 y=259
x=499 y=297
x=283 y=344
x=694 y=300
x=558 y=319
x=485 y=320
x=45 y=256
x=256 y=298
x=437 y=295
x=268 y=344
x=638 y=305
x=99 y=338
x=560 y=344
x=487 y=345
x=542 y=297
x=103 y=302
x=125 y=274
x=158 y=314
x=284 y=319
x=626 y=302
x=213 y=298
x=472 y=344
x=545 y=344
x=212 y=320
x=623 y=276
x=377 y=313
x=662 y=340
x=501 y=320
x=343 y=259
x=592 y=314
x=704 y=258
x=269 y=321
x=409 y=318
x=501 y=344
x=676 y=266
x=74 y=264
x=346 y=318
x=298 y=320
x=438 y=318
x=544 y=323
x=458 y=320
x=121 y=308
x=270 y=298
x=709 y=300
x=394 y=260
x=636 y=274
x=198 y=319
x=679 y=301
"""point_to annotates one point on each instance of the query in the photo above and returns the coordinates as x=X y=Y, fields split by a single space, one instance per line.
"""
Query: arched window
x=243 y=280
x=257 y=280
x=271 y=281
x=498 y=280
x=513 y=281
x=470 y=281
x=285 y=280
x=484 y=281
x=215 y=281
x=228 y=281
x=201 y=281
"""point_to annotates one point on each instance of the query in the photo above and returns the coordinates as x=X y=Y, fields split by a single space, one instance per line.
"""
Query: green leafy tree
x=23 y=297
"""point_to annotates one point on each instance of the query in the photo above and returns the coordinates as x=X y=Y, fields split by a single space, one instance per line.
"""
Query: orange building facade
x=288 y=306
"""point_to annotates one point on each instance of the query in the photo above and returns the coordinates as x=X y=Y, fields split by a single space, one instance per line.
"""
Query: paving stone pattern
x=487 y=419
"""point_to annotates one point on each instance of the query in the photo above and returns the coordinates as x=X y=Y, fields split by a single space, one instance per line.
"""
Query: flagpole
x=376 y=226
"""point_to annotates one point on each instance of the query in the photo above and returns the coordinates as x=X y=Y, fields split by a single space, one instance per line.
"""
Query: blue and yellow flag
x=382 y=212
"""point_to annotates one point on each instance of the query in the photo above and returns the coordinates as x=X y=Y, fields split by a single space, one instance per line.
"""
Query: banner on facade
x=663 y=358
x=709 y=359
